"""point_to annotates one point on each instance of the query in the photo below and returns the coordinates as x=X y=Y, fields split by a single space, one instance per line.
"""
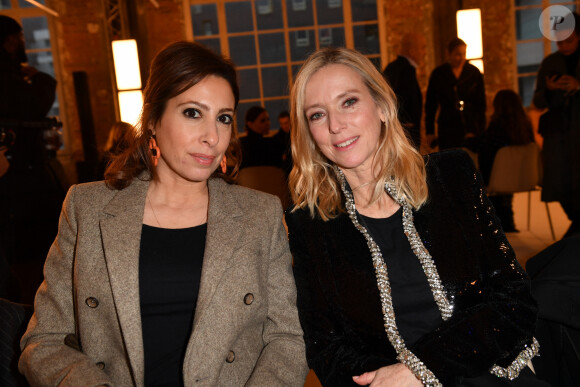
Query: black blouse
x=170 y=262
x=416 y=312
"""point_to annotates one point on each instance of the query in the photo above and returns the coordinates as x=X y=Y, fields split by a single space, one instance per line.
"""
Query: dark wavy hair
x=174 y=70
x=509 y=113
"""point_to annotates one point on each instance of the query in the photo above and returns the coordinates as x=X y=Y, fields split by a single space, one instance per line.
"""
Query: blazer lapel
x=121 y=234
x=224 y=228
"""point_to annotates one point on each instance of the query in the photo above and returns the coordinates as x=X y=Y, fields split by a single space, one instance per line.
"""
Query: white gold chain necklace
x=404 y=355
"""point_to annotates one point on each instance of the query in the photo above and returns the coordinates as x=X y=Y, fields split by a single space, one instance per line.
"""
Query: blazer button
x=101 y=365
x=231 y=357
x=248 y=299
x=92 y=302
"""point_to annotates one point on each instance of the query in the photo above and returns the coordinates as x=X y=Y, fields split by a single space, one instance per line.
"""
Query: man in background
x=31 y=194
x=282 y=139
x=401 y=74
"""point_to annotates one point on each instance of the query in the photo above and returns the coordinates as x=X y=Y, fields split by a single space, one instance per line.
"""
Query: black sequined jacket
x=494 y=315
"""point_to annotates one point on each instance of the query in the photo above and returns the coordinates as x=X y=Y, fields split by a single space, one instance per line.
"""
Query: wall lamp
x=128 y=77
x=469 y=30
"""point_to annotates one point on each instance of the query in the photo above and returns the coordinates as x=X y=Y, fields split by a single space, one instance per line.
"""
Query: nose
x=335 y=123
x=210 y=135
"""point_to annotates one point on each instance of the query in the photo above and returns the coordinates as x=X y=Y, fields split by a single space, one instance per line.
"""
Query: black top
x=415 y=310
x=170 y=262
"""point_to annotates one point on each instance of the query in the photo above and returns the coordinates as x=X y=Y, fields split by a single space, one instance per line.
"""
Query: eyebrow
x=204 y=106
x=341 y=95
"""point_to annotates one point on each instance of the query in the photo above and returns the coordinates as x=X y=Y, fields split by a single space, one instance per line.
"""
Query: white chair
x=518 y=168
x=266 y=179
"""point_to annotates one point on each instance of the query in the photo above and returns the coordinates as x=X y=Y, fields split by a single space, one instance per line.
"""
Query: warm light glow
x=477 y=63
x=469 y=29
x=126 y=62
x=130 y=104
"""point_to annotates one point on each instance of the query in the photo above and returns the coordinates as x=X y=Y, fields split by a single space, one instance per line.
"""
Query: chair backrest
x=13 y=320
x=516 y=168
x=266 y=179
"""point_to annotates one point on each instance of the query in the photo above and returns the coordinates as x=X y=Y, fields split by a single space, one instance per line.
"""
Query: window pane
x=275 y=81
x=269 y=14
x=295 y=69
x=272 y=48
x=26 y=4
x=239 y=17
x=377 y=62
x=274 y=108
x=528 y=2
x=366 y=38
x=526 y=87
x=36 y=34
x=299 y=13
x=249 y=86
x=213 y=44
x=42 y=61
x=363 y=10
x=204 y=19
x=529 y=56
x=243 y=50
x=4 y=4
x=329 y=11
x=331 y=37
x=301 y=44
x=527 y=26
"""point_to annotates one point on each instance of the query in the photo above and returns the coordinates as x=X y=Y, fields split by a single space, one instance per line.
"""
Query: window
x=531 y=46
x=268 y=40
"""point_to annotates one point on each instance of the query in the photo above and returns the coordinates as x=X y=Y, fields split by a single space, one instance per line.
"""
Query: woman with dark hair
x=165 y=274
x=509 y=125
x=457 y=92
x=256 y=148
x=404 y=276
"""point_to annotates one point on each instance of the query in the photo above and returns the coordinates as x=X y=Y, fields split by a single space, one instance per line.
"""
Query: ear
x=382 y=115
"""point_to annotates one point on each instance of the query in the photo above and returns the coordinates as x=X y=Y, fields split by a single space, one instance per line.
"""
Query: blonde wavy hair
x=313 y=181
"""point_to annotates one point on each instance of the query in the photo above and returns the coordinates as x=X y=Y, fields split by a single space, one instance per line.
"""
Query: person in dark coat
x=32 y=189
x=457 y=91
x=401 y=74
x=404 y=275
x=558 y=90
x=257 y=148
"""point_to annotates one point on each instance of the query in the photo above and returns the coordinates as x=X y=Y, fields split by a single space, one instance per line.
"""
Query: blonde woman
x=404 y=275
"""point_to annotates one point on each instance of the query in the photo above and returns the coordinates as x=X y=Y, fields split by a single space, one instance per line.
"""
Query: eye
x=316 y=116
x=226 y=119
x=350 y=102
x=192 y=113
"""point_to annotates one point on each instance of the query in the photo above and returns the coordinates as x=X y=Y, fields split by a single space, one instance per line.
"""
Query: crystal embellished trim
x=404 y=355
x=513 y=370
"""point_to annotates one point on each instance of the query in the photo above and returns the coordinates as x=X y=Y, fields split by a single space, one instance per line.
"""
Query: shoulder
x=91 y=193
x=250 y=201
x=448 y=165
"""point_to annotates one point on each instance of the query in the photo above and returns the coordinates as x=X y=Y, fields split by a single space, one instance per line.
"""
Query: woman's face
x=194 y=131
x=342 y=116
x=456 y=57
x=261 y=124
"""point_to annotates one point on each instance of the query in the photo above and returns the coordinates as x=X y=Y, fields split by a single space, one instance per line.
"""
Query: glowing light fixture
x=130 y=104
x=128 y=77
x=469 y=30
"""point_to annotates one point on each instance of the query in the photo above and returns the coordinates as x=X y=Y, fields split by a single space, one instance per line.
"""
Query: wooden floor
x=527 y=242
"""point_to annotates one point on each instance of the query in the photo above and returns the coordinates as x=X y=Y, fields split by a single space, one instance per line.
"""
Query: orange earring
x=155 y=151
x=224 y=164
